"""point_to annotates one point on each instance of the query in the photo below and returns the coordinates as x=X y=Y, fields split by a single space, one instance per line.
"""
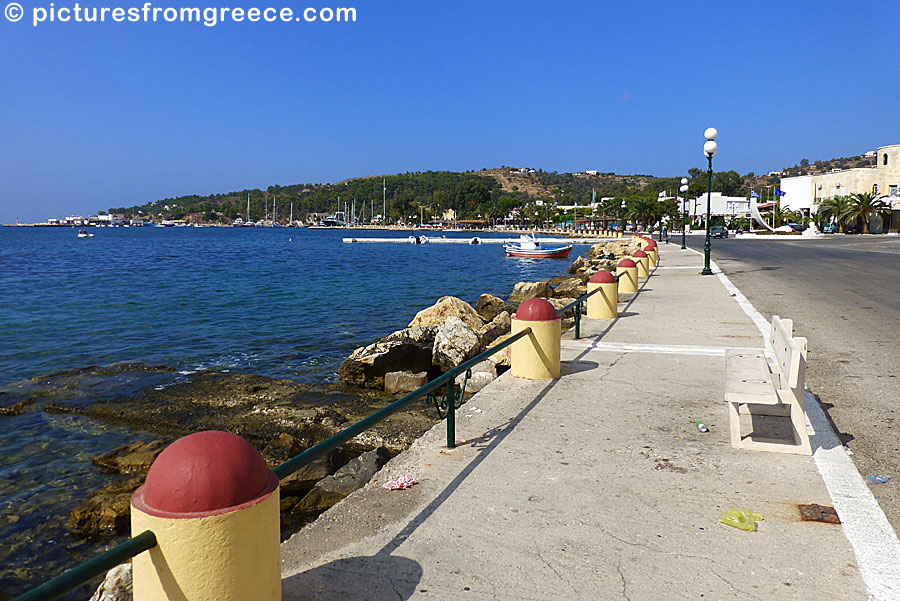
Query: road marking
x=664 y=349
x=864 y=524
x=681 y=267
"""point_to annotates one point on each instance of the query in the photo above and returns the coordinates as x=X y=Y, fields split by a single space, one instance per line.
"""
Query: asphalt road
x=843 y=293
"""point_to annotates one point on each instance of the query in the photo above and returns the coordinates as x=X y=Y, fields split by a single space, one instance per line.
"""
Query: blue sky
x=106 y=114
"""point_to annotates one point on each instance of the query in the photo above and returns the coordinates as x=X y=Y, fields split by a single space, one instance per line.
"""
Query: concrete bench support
x=754 y=387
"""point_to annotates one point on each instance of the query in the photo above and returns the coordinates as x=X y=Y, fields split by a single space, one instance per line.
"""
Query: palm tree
x=836 y=208
x=640 y=210
x=864 y=205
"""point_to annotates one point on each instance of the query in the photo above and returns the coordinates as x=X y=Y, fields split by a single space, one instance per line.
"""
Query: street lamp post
x=661 y=198
x=683 y=189
x=709 y=149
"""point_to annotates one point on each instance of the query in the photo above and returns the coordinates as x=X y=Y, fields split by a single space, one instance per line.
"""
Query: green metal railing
x=577 y=304
x=446 y=406
x=80 y=574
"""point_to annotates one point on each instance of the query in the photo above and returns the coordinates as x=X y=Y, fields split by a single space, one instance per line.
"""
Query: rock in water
x=489 y=307
x=131 y=458
x=116 y=586
x=579 y=264
x=404 y=381
x=525 y=290
x=454 y=343
x=497 y=327
x=405 y=350
x=354 y=475
x=447 y=306
x=105 y=511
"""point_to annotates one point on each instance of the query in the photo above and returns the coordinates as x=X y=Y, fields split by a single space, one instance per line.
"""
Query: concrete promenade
x=599 y=485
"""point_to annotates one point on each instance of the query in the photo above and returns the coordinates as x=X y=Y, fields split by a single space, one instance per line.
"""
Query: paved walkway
x=600 y=486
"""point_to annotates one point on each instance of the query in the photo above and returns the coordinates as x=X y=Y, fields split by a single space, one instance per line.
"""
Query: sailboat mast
x=383 y=201
x=248 y=207
x=291 y=222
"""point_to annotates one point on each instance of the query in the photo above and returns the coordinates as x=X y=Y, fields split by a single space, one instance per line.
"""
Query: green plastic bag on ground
x=741 y=519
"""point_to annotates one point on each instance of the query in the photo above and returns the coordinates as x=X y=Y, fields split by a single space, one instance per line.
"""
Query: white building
x=719 y=206
x=806 y=192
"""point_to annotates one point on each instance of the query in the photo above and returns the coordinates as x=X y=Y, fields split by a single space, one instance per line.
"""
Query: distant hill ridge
x=485 y=193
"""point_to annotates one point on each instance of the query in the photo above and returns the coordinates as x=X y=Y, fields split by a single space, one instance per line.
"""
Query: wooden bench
x=757 y=387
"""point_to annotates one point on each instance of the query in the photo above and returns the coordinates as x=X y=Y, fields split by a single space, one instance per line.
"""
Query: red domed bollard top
x=536 y=309
x=603 y=277
x=206 y=473
x=624 y=263
x=640 y=255
x=650 y=244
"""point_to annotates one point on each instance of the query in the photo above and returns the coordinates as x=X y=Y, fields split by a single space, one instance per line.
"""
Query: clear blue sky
x=106 y=114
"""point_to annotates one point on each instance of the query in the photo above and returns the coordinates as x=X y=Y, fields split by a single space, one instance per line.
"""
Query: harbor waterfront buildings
x=806 y=192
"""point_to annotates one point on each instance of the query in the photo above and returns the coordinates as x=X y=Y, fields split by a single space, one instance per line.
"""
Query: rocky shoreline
x=281 y=417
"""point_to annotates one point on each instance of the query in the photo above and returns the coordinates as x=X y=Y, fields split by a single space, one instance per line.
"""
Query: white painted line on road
x=681 y=267
x=665 y=349
x=864 y=524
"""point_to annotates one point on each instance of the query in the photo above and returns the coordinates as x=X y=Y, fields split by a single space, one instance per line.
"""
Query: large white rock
x=477 y=382
x=116 y=586
x=447 y=306
x=404 y=381
x=525 y=290
x=454 y=343
x=498 y=326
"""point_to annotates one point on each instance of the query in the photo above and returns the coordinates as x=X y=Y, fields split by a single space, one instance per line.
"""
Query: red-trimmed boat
x=531 y=248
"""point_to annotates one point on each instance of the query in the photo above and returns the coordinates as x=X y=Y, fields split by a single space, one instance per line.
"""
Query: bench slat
x=747 y=378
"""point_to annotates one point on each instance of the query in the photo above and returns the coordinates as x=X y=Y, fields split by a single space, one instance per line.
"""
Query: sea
x=280 y=302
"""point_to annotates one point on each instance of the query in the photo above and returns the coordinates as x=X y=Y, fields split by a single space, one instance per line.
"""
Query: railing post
x=451 y=414
x=577 y=321
x=214 y=508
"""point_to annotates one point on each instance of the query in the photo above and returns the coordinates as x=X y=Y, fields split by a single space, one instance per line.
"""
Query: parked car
x=718 y=231
x=830 y=228
x=797 y=227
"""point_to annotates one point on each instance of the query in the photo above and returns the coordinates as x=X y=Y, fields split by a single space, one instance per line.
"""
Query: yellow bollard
x=644 y=242
x=214 y=508
x=536 y=356
x=652 y=251
x=603 y=304
x=643 y=264
x=628 y=283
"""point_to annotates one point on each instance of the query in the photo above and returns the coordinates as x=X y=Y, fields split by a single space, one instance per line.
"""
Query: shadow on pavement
x=378 y=577
x=484 y=444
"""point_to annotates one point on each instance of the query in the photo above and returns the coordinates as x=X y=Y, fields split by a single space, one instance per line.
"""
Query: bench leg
x=799 y=442
x=734 y=424
x=798 y=421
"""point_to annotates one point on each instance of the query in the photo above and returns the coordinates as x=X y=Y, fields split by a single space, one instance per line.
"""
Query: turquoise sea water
x=272 y=301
